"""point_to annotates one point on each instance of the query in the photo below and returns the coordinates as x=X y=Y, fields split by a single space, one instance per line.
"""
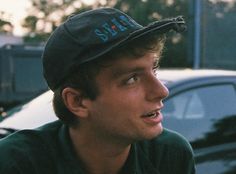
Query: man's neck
x=99 y=157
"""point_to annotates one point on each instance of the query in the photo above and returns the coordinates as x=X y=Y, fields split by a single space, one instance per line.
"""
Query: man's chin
x=154 y=133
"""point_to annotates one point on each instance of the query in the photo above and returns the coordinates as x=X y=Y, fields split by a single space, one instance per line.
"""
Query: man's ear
x=75 y=102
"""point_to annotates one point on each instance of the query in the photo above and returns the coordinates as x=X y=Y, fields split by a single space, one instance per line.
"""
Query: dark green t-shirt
x=48 y=150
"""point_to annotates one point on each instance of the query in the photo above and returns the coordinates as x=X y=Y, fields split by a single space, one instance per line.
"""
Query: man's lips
x=154 y=117
x=153 y=113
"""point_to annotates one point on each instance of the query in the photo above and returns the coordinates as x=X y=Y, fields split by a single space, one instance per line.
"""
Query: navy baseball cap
x=91 y=34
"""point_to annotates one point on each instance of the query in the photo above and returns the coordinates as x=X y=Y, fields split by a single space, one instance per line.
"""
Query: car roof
x=174 y=75
x=32 y=114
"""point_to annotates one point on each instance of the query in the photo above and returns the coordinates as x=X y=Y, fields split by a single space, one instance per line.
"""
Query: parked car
x=201 y=106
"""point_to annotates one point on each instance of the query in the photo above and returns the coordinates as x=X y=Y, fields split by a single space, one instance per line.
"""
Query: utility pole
x=197 y=33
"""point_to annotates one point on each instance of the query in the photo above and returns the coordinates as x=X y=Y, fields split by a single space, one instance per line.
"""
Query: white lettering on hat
x=121 y=27
x=113 y=27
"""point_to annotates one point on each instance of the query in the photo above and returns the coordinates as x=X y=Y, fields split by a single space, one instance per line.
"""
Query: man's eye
x=132 y=80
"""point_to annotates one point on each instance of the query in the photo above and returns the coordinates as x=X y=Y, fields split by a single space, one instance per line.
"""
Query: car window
x=197 y=112
x=186 y=105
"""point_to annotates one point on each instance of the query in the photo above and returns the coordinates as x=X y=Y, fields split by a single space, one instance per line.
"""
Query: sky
x=16 y=11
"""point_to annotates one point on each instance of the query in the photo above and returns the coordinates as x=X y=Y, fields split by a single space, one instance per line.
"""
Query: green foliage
x=30 y=22
x=3 y=24
x=45 y=16
x=144 y=11
x=38 y=38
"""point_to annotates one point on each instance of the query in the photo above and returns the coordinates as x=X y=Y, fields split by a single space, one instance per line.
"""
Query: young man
x=101 y=66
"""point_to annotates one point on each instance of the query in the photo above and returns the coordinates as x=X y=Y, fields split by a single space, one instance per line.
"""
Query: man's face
x=128 y=107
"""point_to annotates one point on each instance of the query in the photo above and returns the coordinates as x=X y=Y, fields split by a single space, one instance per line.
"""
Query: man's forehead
x=113 y=61
x=126 y=65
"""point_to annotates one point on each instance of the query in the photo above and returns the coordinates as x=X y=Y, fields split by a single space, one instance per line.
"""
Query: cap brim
x=159 y=27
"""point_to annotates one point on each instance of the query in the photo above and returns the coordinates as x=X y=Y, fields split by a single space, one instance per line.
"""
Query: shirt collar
x=68 y=151
x=137 y=162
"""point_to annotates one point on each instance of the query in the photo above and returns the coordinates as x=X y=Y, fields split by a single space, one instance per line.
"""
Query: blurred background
x=25 y=25
x=198 y=67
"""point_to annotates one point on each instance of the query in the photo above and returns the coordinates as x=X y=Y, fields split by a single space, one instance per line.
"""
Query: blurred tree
x=146 y=11
x=218 y=34
x=5 y=26
x=45 y=16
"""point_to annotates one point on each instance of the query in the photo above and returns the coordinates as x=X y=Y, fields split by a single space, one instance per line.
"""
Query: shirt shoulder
x=170 y=152
x=22 y=150
x=173 y=139
x=168 y=140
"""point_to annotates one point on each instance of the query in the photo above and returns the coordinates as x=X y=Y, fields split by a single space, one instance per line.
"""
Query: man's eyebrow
x=123 y=71
x=127 y=70
x=118 y=72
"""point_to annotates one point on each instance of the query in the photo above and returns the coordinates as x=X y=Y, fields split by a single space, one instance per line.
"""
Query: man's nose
x=156 y=90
